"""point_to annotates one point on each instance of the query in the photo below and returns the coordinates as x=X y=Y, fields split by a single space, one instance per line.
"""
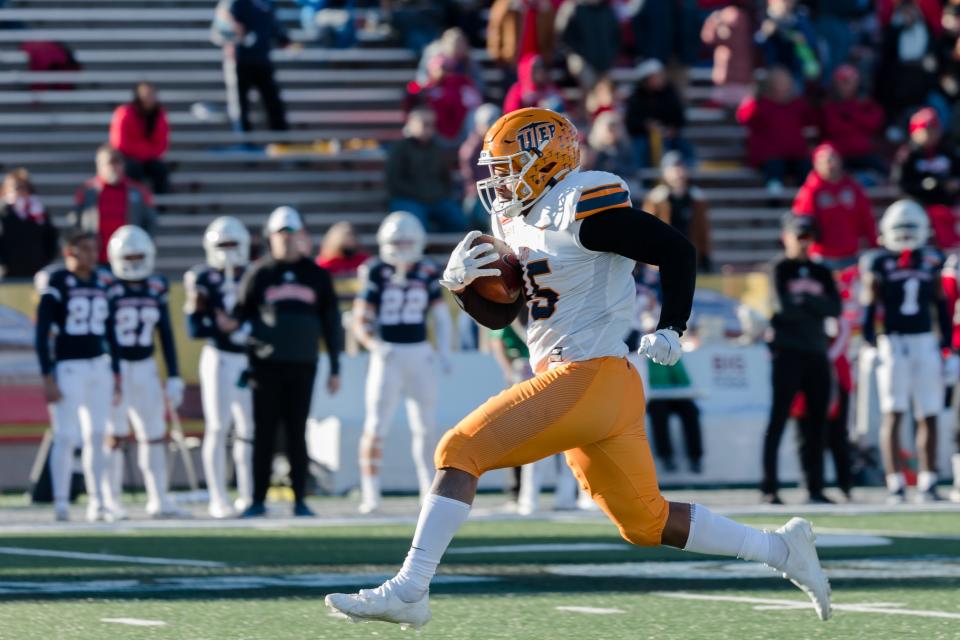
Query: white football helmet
x=904 y=226
x=401 y=238
x=226 y=243
x=131 y=253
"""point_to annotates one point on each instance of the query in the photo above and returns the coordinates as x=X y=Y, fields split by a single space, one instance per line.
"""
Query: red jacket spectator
x=533 y=87
x=128 y=133
x=839 y=204
x=848 y=121
x=775 y=129
x=951 y=289
x=451 y=96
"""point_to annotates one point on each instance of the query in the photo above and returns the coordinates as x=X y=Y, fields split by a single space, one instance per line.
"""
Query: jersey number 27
x=135 y=326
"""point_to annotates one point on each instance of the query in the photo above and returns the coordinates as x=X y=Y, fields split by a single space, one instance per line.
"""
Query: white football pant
x=397 y=370
x=225 y=403
x=144 y=407
x=909 y=367
x=80 y=417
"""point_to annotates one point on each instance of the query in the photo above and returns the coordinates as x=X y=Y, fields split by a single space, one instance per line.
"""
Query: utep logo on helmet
x=531 y=136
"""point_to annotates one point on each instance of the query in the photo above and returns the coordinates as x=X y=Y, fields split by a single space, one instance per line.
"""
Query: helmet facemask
x=904 y=236
x=133 y=266
x=512 y=180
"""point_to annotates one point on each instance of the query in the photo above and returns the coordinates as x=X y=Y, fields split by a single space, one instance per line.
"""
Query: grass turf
x=519 y=599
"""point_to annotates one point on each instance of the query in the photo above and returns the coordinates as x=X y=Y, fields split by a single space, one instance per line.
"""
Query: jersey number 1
x=911 y=291
x=543 y=300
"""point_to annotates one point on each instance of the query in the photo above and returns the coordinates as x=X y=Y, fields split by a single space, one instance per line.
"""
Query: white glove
x=175 y=392
x=663 y=347
x=465 y=263
x=951 y=370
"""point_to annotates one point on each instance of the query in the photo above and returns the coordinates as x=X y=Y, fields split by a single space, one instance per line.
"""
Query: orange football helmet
x=528 y=151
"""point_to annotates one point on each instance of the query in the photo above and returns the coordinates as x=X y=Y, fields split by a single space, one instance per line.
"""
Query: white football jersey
x=580 y=302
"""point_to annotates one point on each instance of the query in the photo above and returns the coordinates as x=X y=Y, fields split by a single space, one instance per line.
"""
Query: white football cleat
x=368 y=507
x=803 y=565
x=61 y=512
x=955 y=494
x=381 y=604
x=221 y=511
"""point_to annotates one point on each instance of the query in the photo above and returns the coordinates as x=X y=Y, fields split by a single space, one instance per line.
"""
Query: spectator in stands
x=140 y=131
x=655 y=27
x=330 y=23
x=28 y=239
x=340 y=251
x=833 y=24
x=453 y=45
x=655 y=115
x=450 y=94
x=850 y=121
x=948 y=53
x=841 y=208
x=787 y=39
x=775 y=121
x=682 y=205
x=533 y=87
x=110 y=200
x=418 y=175
x=602 y=97
x=417 y=22
x=609 y=149
x=470 y=172
x=906 y=70
x=728 y=31
x=590 y=34
x=246 y=30
x=928 y=170
x=517 y=28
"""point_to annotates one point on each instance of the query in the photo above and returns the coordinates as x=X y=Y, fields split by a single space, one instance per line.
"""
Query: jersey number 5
x=543 y=300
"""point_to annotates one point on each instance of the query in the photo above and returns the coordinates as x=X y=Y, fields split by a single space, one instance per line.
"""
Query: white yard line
x=772 y=604
x=540 y=548
x=108 y=557
x=590 y=610
x=135 y=622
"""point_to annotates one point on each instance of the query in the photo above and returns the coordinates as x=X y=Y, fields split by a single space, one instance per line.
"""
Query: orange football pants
x=591 y=410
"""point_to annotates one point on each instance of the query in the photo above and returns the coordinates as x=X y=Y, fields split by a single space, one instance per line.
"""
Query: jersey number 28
x=403 y=306
x=86 y=316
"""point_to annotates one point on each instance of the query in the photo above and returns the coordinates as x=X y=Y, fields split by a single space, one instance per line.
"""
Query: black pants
x=795 y=371
x=281 y=394
x=660 y=412
x=838 y=441
x=153 y=170
x=240 y=79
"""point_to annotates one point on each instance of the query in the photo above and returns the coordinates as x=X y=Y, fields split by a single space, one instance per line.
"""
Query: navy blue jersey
x=402 y=305
x=208 y=290
x=907 y=287
x=139 y=311
x=76 y=312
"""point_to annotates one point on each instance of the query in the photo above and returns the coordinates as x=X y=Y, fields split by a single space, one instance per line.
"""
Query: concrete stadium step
x=119 y=57
x=31 y=158
x=258 y=200
x=207 y=77
x=202 y=137
x=160 y=36
x=321 y=97
x=101 y=118
x=224 y=180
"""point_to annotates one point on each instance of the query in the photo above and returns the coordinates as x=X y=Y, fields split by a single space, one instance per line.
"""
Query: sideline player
x=577 y=237
x=138 y=308
x=211 y=294
x=397 y=292
x=77 y=376
x=903 y=279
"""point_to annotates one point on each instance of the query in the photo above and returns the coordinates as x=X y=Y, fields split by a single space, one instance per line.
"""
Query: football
x=503 y=288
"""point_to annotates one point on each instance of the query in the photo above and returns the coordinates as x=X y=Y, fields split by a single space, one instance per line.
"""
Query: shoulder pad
x=598 y=191
x=157 y=283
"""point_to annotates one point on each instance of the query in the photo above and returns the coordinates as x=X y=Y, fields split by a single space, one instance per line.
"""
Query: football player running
x=79 y=374
x=577 y=237
x=398 y=291
x=138 y=307
x=903 y=279
x=211 y=294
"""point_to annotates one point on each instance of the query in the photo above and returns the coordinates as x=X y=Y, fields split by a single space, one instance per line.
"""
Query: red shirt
x=128 y=134
x=951 y=289
x=843 y=212
x=775 y=129
x=339 y=266
x=850 y=125
x=112 y=205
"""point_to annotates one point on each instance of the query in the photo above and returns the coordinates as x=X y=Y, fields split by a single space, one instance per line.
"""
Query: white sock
x=440 y=519
x=61 y=468
x=243 y=468
x=153 y=464
x=214 y=454
x=926 y=480
x=895 y=481
x=716 y=535
x=956 y=469
x=95 y=470
x=370 y=489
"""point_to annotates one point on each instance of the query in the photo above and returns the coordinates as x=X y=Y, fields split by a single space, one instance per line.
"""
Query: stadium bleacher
x=348 y=96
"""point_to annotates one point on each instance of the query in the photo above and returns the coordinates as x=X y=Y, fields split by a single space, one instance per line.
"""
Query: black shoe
x=770 y=498
x=696 y=467
x=301 y=510
x=255 y=510
x=819 y=498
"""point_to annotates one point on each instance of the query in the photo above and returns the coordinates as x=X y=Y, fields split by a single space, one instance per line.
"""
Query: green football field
x=893 y=575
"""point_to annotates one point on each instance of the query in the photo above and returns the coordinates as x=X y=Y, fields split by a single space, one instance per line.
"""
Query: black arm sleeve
x=827 y=305
x=167 y=342
x=45 y=315
x=492 y=315
x=642 y=237
x=330 y=323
